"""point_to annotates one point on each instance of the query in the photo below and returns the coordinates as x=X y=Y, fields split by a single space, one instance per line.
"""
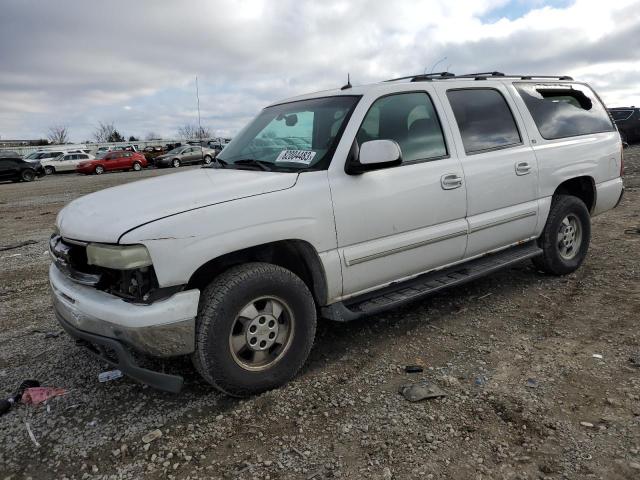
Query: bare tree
x=152 y=136
x=190 y=131
x=58 y=134
x=104 y=132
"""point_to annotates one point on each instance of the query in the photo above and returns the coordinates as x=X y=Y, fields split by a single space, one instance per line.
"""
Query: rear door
x=7 y=169
x=66 y=163
x=499 y=165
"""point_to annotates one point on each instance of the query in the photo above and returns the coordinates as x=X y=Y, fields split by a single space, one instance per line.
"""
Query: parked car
x=118 y=160
x=18 y=170
x=185 y=156
x=627 y=120
x=65 y=163
x=392 y=192
x=9 y=154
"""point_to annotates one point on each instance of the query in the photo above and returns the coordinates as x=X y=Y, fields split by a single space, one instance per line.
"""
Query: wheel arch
x=583 y=187
x=298 y=256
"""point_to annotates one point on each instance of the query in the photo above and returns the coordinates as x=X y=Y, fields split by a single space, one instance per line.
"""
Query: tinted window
x=409 y=119
x=484 y=119
x=564 y=110
x=82 y=157
x=621 y=115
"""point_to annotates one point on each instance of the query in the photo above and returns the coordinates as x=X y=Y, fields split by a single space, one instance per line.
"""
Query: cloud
x=134 y=63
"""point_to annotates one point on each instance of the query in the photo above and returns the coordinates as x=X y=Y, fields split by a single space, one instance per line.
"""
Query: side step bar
x=400 y=293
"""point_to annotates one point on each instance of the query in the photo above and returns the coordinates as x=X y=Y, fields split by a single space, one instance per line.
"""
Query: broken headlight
x=118 y=257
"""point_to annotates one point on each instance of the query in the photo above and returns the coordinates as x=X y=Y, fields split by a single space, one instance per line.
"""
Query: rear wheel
x=28 y=175
x=566 y=236
x=99 y=170
x=175 y=163
x=136 y=166
x=256 y=324
x=49 y=170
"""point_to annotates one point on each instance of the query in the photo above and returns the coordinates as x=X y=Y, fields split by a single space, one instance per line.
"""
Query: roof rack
x=475 y=76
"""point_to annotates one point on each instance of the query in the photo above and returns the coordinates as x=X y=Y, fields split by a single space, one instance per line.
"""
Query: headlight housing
x=118 y=257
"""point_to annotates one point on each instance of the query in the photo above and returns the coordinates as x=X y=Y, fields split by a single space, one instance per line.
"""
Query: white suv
x=340 y=204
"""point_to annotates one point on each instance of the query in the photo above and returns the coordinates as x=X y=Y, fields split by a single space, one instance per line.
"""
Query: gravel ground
x=526 y=399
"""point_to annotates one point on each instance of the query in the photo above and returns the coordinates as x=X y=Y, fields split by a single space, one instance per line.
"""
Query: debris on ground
x=110 y=375
x=587 y=424
x=38 y=395
x=151 y=436
x=597 y=355
x=414 y=392
x=31 y=435
x=532 y=383
x=413 y=369
x=634 y=360
x=13 y=246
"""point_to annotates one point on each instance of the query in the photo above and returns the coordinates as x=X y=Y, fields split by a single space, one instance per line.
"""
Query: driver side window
x=411 y=120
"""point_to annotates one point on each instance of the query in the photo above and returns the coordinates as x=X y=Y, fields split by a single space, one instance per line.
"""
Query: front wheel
x=49 y=170
x=28 y=176
x=175 y=163
x=566 y=236
x=136 y=166
x=207 y=160
x=255 y=327
x=99 y=170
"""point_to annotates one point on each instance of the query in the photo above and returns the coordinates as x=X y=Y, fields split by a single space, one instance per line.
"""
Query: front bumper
x=165 y=328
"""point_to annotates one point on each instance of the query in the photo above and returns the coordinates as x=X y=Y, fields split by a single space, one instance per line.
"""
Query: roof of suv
x=348 y=89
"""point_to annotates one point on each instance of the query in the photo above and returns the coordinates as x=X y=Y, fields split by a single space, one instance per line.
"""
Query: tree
x=58 y=134
x=152 y=136
x=133 y=139
x=189 y=131
x=116 y=137
x=103 y=132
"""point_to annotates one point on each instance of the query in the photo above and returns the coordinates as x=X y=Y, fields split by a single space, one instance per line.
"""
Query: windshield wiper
x=266 y=166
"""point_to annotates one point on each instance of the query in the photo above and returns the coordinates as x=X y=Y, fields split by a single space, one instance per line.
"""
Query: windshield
x=33 y=156
x=175 y=151
x=297 y=135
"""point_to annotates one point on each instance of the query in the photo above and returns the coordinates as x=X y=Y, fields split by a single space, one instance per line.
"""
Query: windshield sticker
x=296 y=156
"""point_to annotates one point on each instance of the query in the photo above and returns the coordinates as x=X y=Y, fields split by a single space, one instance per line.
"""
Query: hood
x=106 y=215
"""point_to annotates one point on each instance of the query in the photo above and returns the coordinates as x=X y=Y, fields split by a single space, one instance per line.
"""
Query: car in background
x=18 y=170
x=185 y=156
x=120 y=160
x=10 y=153
x=64 y=163
x=627 y=119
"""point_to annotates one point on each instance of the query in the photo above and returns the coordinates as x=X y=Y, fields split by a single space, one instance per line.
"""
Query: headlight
x=118 y=257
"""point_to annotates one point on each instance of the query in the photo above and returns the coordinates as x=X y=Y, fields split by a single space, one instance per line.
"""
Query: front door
x=500 y=168
x=397 y=222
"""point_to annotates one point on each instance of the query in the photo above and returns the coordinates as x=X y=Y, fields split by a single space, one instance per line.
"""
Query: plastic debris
x=38 y=395
x=413 y=369
x=597 y=355
x=151 y=436
x=532 y=383
x=586 y=424
x=414 y=392
x=31 y=435
x=6 y=404
x=110 y=375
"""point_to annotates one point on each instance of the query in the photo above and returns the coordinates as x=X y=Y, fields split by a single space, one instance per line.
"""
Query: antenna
x=348 y=85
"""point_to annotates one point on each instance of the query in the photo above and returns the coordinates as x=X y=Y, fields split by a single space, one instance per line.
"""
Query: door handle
x=450 y=181
x=522 y=168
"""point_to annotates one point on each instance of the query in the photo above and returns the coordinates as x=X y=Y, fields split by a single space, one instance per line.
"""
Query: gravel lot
x=526 y=399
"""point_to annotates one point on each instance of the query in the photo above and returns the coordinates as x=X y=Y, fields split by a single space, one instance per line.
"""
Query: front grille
x=71 y=258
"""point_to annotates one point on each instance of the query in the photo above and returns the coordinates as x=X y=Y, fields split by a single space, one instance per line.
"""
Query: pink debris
x=37 y=395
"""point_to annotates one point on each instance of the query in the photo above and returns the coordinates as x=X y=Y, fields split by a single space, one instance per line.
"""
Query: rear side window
x=621 y=115
x=408 y=118
x=561 y=111
x=484 y=119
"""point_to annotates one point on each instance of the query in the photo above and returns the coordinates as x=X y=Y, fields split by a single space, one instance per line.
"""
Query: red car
x=113 y=161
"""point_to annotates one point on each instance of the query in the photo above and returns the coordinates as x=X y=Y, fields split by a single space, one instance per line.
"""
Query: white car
x=341 y=204
x=64 y=163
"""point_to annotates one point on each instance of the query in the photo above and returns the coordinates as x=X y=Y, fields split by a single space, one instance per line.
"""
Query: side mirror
x=374 y=155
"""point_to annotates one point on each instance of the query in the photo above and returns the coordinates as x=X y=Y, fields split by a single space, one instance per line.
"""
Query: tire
x=207 y=160
x=28 y=175
x=49 y=170
x=175 y=163
x=239 y=371
x=136 y=166
x=99 y=170
x=566 y=236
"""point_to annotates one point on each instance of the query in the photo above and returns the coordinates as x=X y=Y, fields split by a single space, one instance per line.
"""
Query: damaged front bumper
x=165 y=328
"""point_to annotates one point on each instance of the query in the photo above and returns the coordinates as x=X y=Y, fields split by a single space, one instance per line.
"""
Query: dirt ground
x=526 y=398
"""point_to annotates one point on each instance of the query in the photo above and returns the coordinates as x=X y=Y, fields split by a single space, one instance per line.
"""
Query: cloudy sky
x=134 y=62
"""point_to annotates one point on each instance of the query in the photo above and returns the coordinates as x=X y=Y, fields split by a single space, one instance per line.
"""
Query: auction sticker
x=296 y=156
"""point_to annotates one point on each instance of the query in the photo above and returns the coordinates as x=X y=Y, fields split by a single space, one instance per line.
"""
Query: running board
x=400 y=293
